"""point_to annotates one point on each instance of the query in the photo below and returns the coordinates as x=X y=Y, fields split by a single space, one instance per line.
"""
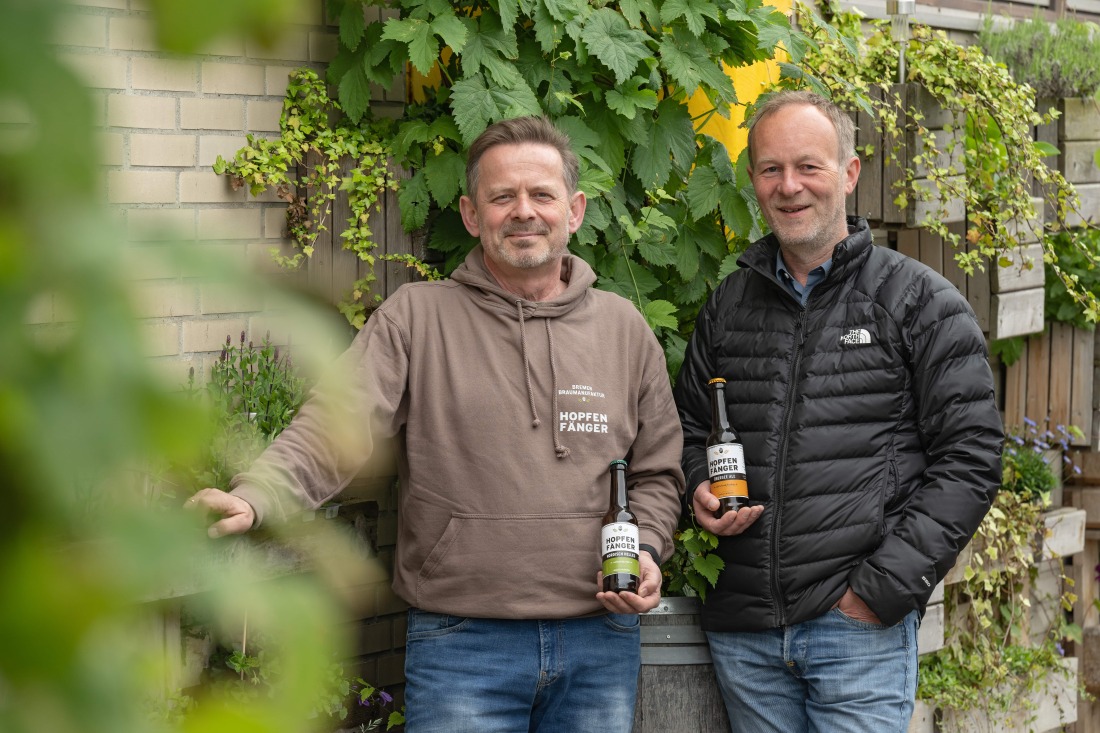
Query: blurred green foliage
x=84 y=560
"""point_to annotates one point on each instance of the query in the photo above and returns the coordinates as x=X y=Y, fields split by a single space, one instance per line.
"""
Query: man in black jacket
x=858 y=380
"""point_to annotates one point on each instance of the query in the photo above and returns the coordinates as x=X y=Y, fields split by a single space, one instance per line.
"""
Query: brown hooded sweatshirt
x=506 y=414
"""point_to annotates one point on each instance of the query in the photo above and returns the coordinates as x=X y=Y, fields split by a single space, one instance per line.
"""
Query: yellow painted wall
x=748 y=81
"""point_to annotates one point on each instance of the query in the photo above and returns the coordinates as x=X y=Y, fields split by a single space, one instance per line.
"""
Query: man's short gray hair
x=842 y=123
x=516 y=131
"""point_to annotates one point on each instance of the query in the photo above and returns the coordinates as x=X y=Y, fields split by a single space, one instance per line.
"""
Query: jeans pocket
x=857 y=623
x=427 y=625
x=625 y=622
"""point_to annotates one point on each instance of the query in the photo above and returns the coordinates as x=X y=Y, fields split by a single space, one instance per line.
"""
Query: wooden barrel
x=677 y=690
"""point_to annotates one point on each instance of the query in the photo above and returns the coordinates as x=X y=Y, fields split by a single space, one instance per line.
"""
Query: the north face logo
x=856 y=336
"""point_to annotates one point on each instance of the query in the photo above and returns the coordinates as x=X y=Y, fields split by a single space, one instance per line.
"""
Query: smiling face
x=800 y=181
x=522 y=210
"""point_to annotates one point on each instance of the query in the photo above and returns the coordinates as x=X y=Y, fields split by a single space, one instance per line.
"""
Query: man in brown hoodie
x=507 y=390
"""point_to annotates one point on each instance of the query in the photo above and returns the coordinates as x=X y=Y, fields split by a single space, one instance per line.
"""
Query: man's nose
x=790 y=182
x=523 y=208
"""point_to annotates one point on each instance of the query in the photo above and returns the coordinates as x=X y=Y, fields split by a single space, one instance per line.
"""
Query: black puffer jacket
x=870 y=429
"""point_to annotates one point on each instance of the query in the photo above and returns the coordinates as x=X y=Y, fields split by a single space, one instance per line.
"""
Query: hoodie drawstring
x=559 y=450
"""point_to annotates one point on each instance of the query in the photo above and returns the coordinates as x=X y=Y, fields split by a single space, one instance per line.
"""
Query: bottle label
x=619 y=543
x=726 y=468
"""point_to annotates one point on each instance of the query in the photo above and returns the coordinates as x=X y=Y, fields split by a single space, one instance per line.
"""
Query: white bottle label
x=725 y=461
x=619 y=548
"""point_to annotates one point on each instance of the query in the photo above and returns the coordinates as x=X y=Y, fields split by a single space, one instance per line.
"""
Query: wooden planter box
x=1078 y=139
x=1043 y=711
x=873 y=198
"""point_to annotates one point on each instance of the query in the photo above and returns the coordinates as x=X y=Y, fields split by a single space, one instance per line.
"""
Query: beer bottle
x=725 y=455
x=619 y=537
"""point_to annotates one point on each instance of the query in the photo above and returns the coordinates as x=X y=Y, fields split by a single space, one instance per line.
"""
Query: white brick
x=209 y=335
x=216 y=224
x=151 y=262
x=110 y=147
x=78 y=29
x=260 y=258
x=308 y=12
x=160 y=339
x=99 y=107
x=217 y=299
x=207 y=187
x=232 y=45
x=172 y=371
x=141 y=187
x=170 y=151
x=275 y=222
x=263 y=116
x=212 y=259
x=101 y=72
x=281 y=328
x=222 y=78
x=124 y=110
x=211 y=114
x=131 y=33
x=323 y=47
x=164 y=299
x=211 y=146
x=277 y=78
x=160 y=225
x=292 y=46
x=158 y=74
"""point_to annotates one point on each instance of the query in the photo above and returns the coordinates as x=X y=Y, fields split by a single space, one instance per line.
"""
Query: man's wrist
x=653 y=552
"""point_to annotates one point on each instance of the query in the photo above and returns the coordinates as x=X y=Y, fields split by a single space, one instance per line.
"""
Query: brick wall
x=162 y=122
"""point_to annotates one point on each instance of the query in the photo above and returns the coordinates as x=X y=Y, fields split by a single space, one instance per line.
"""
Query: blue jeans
x=474 y=675
x=831 y=674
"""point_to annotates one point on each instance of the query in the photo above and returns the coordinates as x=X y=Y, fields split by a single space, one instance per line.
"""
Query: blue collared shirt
x=798 y=290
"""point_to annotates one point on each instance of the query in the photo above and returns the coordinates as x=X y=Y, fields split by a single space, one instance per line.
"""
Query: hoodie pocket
x=513 y=565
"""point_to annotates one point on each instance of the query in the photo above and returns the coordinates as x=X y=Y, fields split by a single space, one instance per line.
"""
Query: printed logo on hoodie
x=582 y=420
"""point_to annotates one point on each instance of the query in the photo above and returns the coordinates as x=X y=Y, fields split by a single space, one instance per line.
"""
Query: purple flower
x=387 y=698
x=1029 y=422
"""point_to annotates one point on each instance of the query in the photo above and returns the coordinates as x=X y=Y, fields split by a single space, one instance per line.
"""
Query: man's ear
x=851 y=174
x=577 y=206
x=469 y=216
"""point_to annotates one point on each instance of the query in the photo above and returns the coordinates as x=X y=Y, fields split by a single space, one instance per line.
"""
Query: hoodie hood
x=575 y=272
x=578 y=277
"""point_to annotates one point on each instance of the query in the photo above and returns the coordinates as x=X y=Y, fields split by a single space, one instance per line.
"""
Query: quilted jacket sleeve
x=961 y=431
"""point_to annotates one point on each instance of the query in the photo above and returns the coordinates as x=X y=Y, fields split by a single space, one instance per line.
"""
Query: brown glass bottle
x=725 y=455
x=619 y=537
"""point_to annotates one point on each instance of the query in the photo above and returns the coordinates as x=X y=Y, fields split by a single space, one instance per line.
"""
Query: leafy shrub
x=1078 y=254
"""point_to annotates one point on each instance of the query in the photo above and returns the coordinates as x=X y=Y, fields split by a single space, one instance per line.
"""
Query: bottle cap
x=717 y=380
x=618 y=462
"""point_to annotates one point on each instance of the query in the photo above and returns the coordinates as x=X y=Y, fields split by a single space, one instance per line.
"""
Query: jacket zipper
x=781 y=461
